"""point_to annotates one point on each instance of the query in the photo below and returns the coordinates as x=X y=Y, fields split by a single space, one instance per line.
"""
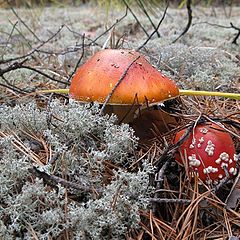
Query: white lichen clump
x=82 y=142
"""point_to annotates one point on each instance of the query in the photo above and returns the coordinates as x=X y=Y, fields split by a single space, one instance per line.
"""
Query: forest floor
x=40 y=49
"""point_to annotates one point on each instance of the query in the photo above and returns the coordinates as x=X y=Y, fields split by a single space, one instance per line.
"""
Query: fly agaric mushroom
x=95 y=79
x=124 y=80
x=140 y=83
x=209 y=151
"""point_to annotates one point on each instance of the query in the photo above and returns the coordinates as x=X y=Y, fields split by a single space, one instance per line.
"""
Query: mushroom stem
x=208 y=93
x=181 y=91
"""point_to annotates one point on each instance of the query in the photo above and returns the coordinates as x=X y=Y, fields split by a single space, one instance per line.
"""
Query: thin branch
x=124 y=1
x=19 y=65
x=189 y=2
x=141 y=5
x=44 y=74
x=12 y=67
x=117 y=83
x=13 y=88
x=34 y=50
x=159 y=24
x=159 y=178
x=79 y=60
x=92 y=42
x=112 y=26
x=234 y=41
x=22 y=35
x=238 y=34
x=169 y=200
x=28 y=28
x=212 y=24
x=9 y=37
x=63 y=182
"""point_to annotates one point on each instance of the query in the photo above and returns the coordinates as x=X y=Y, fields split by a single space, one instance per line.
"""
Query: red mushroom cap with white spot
x=96 y=78
x=209 y=151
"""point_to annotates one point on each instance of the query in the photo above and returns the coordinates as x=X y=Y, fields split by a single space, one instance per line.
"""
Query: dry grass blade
x=19 y=145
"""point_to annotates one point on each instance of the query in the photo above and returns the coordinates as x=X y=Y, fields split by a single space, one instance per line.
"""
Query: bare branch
x=170 y=200
x=189 y=2
x=141 y=5
x=9 y=37
x=124 y=1
x=34 y=50
x=28 y=28
x=112 y=26
x=159 y=24
x=234 y=41
x=79 y=60
x=238 y=34
x=57 y=180
x=18 y=65
x=11 y=87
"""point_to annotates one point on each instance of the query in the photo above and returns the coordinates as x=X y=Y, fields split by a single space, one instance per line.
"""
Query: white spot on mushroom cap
x=233 y=170
x=191 y=146
x=224 y=156
x=210 y=148
x=220 y=176
x=218 y=161
x=193 y=161
x=210 y=169
x=204 y=130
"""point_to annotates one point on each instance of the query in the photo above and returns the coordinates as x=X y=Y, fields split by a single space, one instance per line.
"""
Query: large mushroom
x=125 y=77
x=209 y=152
x=124 y=80
x=95 y=79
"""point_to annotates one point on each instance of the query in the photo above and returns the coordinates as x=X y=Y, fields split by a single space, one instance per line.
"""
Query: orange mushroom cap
x=95 y=79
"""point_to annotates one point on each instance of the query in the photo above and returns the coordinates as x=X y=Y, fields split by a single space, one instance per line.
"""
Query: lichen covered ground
x=69 y=172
